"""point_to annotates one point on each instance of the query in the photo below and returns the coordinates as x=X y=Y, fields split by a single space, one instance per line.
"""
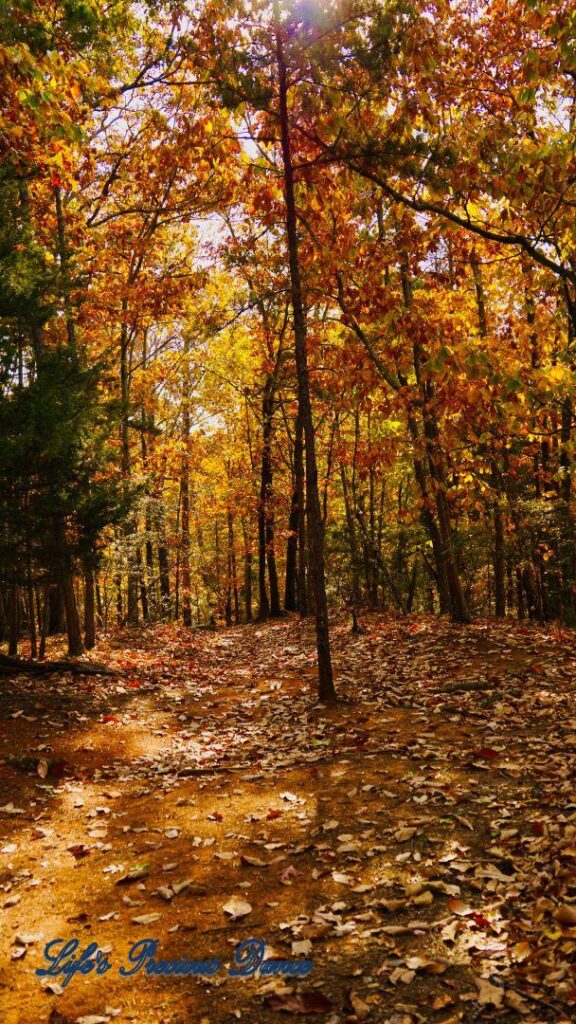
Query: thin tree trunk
x=567 y=545
x=567 y=539
x=499 y=560
x=164 y=574
x=326 y=690
x=142 y=585
x=412 y=587
x=66 y=584
x=30 y=602
x=291 y=555
x=263 y=602
x=247 y=574
x=266 y=551
x=458 y=605
x=186 y=586
x=14 y=634
x=75 y=643
x=520 y=595
x=499 y=566
x=119 y=605
x=152 y=586
x=353 y=542
x=185 y=498
x=89 y=610
x=44 y=624
x=99 y=605
x=302 y=571
x=130 y=525
x=232 y=567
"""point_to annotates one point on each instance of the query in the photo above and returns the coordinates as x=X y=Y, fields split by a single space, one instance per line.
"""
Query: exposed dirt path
x=417 y=844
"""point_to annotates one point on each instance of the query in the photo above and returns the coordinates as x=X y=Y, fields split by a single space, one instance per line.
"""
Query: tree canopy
x=287 y=311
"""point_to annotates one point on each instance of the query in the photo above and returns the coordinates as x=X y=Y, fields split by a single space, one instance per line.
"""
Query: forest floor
x=417 y=842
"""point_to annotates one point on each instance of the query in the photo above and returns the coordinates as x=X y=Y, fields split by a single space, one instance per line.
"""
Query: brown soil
x=212 y=748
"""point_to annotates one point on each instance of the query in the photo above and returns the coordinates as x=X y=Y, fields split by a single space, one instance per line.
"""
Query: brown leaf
x=78 y=850
x=359 y=1006
x=253 y=862
x=134 y=875
x=488 y=994
x=565 y=915
x=459 y=907
x=300 y=1002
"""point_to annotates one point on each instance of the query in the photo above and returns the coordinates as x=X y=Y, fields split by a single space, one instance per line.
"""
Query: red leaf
x=273 y=814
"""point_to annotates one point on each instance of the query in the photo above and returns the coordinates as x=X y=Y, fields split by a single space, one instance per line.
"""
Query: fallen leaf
x=311 y=1001
x=564 y=915
x=489 y=994
x=237 y=908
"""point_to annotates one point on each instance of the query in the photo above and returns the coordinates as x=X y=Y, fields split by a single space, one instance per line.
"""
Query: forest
x=287 y=516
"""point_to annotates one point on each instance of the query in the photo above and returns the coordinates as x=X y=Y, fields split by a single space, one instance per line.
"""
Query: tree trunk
x=326 y=690
x=56 y=622
x=130 y=525
x=143 y=586
x=499 y=567
x=31 y=612
x=89 y=610
x=232 y=575
x=66 y=584
x=355 y=593
x=567 y=546
x=266 y=552
x=447 y=557
x=247 y=574
x=14 y=634
x=75 y=643
x=164 y=574
x=119 y=605
x=291 y=555
x=99 y=605
x=264 y=604
x=291 y=580
x=44 y=624
x=185 y=547
x=431 y=526
x=185 y=497
x=301 y=579
x=499 y=560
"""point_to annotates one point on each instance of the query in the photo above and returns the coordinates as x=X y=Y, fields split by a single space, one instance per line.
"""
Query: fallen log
x=12 y=666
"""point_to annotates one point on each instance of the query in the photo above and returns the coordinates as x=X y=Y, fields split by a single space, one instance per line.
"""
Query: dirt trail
x=416 y=844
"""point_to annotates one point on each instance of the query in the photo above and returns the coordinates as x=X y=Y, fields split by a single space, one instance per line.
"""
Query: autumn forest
x=287 y=422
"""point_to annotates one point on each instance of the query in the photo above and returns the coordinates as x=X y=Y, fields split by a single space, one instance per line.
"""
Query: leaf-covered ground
x=417 y=842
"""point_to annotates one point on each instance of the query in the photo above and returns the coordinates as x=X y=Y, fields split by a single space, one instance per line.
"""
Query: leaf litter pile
x=417 y=842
